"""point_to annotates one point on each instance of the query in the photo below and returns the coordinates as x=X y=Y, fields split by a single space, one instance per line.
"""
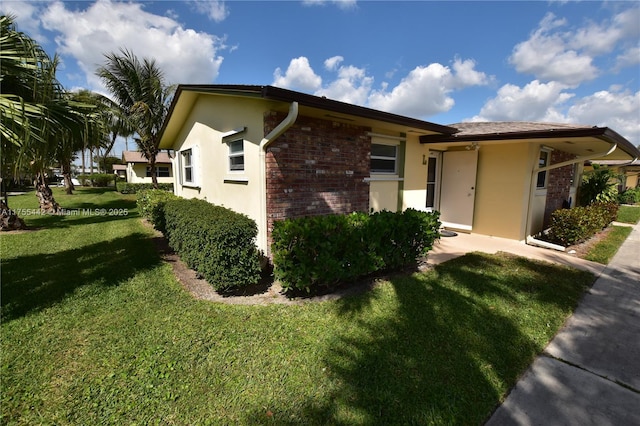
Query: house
x=139 y=171
x=120 y=170
x=629 y=171
x=272 y=153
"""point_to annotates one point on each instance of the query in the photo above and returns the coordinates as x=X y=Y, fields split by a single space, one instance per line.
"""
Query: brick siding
x=558 y=184
x=316 y=167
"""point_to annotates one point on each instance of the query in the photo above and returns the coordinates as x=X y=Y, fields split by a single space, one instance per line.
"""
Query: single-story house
x=120 y=170
x=139 y=171
x=273 y=153
x=628 y=170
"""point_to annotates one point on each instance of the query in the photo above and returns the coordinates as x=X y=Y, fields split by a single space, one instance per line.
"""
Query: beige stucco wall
x=414 y=194
x=503 y=183
x=203 y=131
x=137 y=173
x=384 y=189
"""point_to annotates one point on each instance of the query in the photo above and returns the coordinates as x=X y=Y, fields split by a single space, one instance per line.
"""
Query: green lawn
x=629 y=214
x=96 y=330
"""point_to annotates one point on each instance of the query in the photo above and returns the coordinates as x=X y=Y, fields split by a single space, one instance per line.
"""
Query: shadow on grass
x=32 y=283
x=83 y=214
x=446 y=354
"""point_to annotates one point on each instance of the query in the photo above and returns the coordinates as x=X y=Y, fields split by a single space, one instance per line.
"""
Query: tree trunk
x=154 y=177
x=48 y=204
x=9 y=220
x=68 y=183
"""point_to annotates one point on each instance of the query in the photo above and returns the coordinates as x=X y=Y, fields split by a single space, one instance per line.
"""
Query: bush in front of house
x=323 y=251
x=572 y=226
x=133 y=188
x=151 y=206
x=630 y=196
x=97 y=179
x=218 y=243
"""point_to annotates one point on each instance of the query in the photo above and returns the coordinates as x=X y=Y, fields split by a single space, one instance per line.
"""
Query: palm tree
x=140 y=90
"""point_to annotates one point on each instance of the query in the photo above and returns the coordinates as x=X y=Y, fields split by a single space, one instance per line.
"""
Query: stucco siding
x=502 y=190
x=414 y=192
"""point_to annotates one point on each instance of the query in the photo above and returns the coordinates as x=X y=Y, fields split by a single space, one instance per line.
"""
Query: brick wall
x=558 y=184
x=316 y=167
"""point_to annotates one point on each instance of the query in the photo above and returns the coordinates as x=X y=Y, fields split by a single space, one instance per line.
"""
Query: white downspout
x=275 y=133
x=536 y=170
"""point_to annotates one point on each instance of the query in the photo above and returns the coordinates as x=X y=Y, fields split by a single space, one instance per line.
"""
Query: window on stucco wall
x=384 y=158
x=236 y=155
x=187 y=166
x=543 y=161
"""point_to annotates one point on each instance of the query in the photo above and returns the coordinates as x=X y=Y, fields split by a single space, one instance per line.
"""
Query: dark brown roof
x=137 y=157
x=285 y=95
x=512 y=130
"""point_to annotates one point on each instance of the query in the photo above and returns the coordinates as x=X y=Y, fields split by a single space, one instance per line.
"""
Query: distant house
x=629 y=171
x=272 y=154
x=138 y=169
x=120 y=170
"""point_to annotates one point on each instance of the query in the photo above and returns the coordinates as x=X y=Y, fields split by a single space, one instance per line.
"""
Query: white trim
x=383 y=178
x=233 y=132
x=231 y=179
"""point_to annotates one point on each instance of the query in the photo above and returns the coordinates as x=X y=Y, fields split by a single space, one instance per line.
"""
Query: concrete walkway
x=589 y=374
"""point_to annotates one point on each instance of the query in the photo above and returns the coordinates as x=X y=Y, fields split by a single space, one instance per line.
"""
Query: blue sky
x=445 y=62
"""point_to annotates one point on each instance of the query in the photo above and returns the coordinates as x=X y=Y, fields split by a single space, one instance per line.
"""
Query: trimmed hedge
x=572 y=226
x=97 y=179
x=151 y=206
x=133 y=188
x=630 y=196
x=322 y=251
x=218 y=243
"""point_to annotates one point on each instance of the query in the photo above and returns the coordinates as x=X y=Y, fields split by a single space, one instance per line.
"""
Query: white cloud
x=628 y=58
x=217 y=11
x=619 y=110
x=352 y=86
x=332 y=63
x=534 y=102
x=298 y=76
x=426 y=90
x=547 y=56
x=185 y=56
x=342 y=4
x=26 y=16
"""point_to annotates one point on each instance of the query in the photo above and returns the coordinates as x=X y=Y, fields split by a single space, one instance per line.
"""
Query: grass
x=604 y=250
x=95 y=330
x=629 y=214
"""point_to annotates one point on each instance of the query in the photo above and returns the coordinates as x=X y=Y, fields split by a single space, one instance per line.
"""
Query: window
x=431 y=182
x=236 y=155
x=383 y=158
x=161 y=171
x=187 y=166
x=543 y=161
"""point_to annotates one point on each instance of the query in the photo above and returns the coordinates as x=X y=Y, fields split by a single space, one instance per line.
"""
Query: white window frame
x=386 y=158
x=148 y=173
x=546 y=172
x=184 y=167
x=232 y=155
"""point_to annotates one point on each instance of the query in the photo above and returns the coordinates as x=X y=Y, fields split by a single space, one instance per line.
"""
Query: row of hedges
x=133 y=188
x=630 y=196
x=97 y=179
x=322 y=251
x=151 y=206
x=572 y=226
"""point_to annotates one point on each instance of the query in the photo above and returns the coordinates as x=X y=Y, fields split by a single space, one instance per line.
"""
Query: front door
x=458 y=188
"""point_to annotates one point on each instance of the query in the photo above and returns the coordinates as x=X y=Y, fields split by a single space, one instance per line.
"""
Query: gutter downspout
x=264 y=143
x=532 y=189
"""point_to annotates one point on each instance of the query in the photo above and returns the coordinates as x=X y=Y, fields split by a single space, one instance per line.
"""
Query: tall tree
x=35 y=110
x=140 y=90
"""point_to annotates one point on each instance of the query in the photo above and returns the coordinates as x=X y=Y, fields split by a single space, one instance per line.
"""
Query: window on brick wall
x=384 y=158
x=543 y=161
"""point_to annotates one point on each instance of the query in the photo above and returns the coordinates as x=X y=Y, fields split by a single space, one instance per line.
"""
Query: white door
x=458 y=188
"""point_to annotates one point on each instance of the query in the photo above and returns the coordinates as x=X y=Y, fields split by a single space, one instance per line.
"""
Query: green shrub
x=97 y=179
x=151 y=206
x=598 y=186
x=572 y=226
x=630 y=196
x=133 y=188
x=218 y=243
x=322 y=251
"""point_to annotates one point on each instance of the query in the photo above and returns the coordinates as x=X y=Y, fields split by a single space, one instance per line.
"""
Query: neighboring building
x=629 y=170
x=139 y=171
x=272 y=154
x=120 y=170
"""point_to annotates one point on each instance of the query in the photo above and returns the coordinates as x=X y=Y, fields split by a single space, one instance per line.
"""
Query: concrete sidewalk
x=590 y=372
